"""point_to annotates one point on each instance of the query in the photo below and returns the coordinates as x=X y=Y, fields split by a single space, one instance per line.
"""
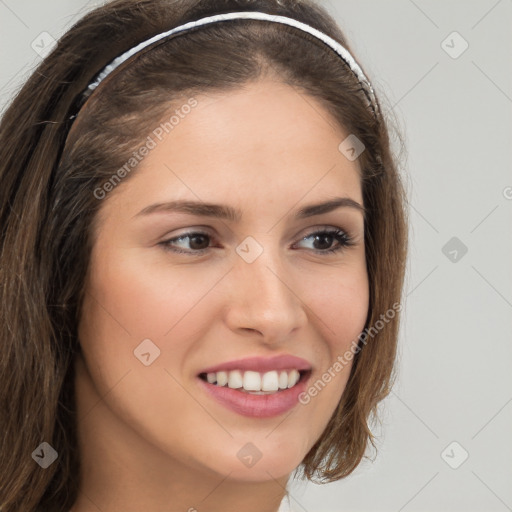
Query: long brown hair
x=48 y=209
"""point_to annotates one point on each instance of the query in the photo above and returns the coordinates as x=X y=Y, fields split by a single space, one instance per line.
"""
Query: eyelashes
x=321 y=237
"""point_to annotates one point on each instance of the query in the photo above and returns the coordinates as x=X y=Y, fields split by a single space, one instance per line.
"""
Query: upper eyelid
x=212 y=232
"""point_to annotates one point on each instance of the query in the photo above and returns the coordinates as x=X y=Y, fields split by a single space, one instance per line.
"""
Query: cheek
x=340 y=304
x=339 y=309
x=124 y=306
x=147 y=298
x=136 y=300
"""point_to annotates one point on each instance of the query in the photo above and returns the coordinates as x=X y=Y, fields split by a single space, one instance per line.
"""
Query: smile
x=256 y=403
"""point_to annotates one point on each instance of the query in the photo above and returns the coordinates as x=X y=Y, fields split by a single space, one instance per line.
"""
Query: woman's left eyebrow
x=231 y=214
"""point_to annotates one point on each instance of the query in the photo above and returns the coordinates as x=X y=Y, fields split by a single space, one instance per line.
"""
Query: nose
x=264 y=297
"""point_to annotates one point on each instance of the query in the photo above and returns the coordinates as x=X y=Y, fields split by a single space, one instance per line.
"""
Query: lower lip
x=257 y=406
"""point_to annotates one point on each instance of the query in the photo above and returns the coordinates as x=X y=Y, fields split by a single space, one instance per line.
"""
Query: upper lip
x=261 y=364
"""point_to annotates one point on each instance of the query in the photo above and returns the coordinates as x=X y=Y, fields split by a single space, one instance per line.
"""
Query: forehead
x=265 y=143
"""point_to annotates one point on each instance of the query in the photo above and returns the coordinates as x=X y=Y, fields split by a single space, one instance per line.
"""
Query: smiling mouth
x=256 y=383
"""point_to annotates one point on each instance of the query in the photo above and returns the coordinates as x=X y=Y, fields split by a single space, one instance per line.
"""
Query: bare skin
x=150 y=438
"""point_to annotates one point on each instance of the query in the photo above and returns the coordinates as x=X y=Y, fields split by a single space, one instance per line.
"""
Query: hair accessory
x=251 y=15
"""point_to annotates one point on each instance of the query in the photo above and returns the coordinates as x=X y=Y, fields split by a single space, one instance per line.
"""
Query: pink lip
x=261 y=364
x=257 y=406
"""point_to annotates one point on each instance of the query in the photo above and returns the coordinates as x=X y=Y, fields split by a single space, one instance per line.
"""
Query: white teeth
x=235 y=379
x=269 y=382
x=283 y=380
x=293 y=378
x=252 y=381
x=255 y=382
x=222 y=378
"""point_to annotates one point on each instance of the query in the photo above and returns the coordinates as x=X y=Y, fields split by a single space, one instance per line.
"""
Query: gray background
x=455 y=347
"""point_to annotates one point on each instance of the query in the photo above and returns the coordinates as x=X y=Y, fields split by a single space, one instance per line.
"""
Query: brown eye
x=198 y=243
x=323 y=240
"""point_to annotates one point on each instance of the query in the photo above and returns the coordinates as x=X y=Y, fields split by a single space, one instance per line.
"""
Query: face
x=269 y=283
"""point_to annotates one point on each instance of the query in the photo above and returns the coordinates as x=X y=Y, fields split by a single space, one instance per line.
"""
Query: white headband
x=250 y=15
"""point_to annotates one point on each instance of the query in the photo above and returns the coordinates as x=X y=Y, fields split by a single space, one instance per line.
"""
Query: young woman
x=203 y=244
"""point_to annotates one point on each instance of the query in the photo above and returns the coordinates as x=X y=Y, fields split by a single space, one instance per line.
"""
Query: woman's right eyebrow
x=231 y=214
